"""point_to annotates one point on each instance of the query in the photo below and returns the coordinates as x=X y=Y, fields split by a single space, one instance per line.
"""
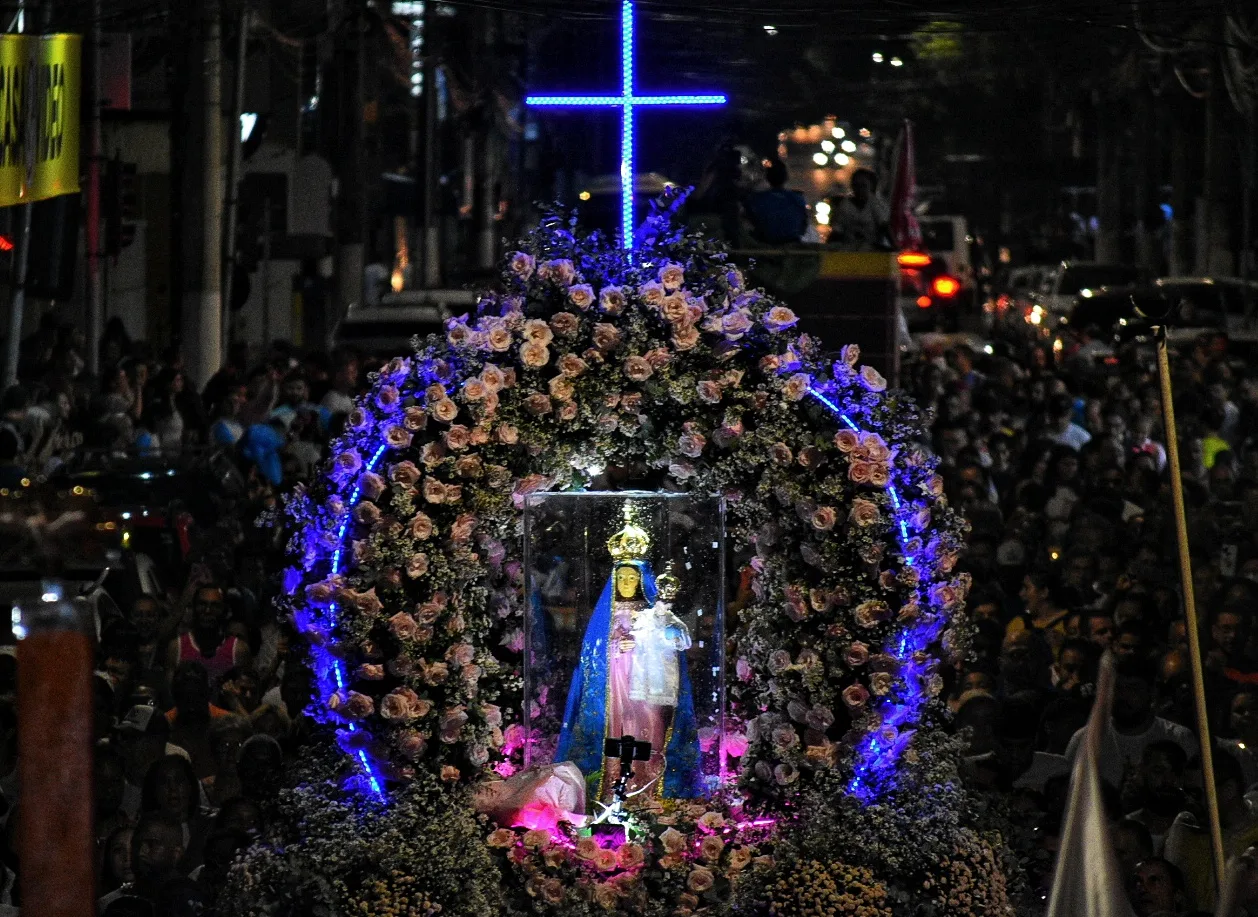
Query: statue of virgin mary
x=632 y=679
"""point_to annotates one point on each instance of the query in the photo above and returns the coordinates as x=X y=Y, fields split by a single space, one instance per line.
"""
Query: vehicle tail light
x=913 y=259
x=923 y=302
x=945 y=286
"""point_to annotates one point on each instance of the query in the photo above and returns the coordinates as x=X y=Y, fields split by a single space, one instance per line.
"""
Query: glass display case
x=624 y=643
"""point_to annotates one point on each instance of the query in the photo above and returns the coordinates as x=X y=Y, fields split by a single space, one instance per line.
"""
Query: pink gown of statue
x=642 y=685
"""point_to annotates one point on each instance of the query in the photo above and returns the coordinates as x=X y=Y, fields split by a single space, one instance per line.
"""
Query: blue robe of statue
x=585 y=714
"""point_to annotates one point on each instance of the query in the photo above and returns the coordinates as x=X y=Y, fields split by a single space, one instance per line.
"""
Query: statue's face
x=627 y=582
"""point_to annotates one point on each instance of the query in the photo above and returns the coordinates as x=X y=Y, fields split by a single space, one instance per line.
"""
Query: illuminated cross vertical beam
x=627 y=101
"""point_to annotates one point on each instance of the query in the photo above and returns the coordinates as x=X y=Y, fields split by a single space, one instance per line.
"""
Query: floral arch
x=407 y=583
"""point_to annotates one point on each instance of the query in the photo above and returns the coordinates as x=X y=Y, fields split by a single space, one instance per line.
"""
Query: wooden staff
x=1190 y=609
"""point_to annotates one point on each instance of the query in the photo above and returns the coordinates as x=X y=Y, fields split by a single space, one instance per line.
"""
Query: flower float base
x=656 y=369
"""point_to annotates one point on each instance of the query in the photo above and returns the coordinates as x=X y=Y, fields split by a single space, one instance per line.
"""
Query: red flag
x=906 y=232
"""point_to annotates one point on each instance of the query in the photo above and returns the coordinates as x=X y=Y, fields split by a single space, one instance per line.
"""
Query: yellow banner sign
x=39 y=117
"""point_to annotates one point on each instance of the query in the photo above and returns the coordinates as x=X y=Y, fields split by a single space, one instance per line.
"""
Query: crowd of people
x=1060 y=465
x=1057 y=459
x=199 y=702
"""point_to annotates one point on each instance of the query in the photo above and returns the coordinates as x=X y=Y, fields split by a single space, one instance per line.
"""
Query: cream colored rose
x=701 y=880
x=865 y=512
x=561 y=387
x=474 y=389
x=571 y=365
x=565 y=324
x=421 y=527
x=823 y=518
x=581 y=295
x=797 y=386
x=534 y=354
x=506 y=434
x=445 y=410
x=612 y=300
x=606 y=337
x=652 y=293
x=537 y=331
x=673 y=841
x=674 y=309
x=638 y=369
x=499 y=338
x=672 y=275
x=685 y=337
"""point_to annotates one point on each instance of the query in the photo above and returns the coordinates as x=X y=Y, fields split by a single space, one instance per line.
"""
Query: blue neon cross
x=627 y=101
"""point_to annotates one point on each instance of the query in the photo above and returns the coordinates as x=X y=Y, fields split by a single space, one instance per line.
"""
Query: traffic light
x=121 y=203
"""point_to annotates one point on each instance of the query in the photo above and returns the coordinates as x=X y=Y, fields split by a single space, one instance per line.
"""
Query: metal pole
x=95 y=281
x=233 y=178
x=431 y=241
x=1190 y=608
x=13 y=350
x=266 y=275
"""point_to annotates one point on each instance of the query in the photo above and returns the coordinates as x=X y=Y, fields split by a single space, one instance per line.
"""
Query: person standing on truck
x=861 y=221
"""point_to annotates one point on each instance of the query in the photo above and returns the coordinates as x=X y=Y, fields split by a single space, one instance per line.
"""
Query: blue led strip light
x=877 y=754
x=627 y=101
x=337 y=666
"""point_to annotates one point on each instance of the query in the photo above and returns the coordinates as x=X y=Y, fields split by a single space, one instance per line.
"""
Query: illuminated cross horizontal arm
x=627 y=101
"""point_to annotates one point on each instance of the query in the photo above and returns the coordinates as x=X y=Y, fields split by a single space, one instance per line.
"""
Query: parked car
x=1212 y=303
x=1070 y=281
x=1016 y=294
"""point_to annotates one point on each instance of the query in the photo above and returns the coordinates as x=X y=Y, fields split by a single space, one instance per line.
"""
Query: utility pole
x=233 y=175
x=351 y=204
x=95 y=281
x=203 y=198
x=486 y=200
x=431 y=239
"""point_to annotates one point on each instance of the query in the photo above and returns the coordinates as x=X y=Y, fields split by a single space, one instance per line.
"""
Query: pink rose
x=506 y=434
x=421 y=527
x=864 y=512
x=356 y=419
x=387 y=398
x=457 y=333
x=581 y=295
x=571 y=366
x=469 y=466
x=612 y=300
x=435 y=673
x=498 y=337
x=537 y=331
x=797 y=386
x=534 y=355
x=779 y=318
x=396 y=706
x=412 y=745
x=873 y=448
x=348 y=463
x=872 y=379
x=521 y=265
x=605 y=336
x=458 y=437
x=674 y=309
x=823 y=518
x=445 y=410
x=685 y=337
x=691 y=444
x=359 y=706
x=735 y=324
x=417 y=566
x=672 y=276
x=370 y=671
x=880 y=683
x=537 y=404
x=856 y=655
x=868 y=614
x=637 y=369
x=658 y=357
x=474 y=389
x=709 y=392
x=561 y=388
x=414 y=419
x=700 y=880
x=461 y=531
x=673 y=841
x=855 y=696
x=780 y=454
x=809 y=457
x=652 y=293
x=847 y=441
x=935 y=486
x=403 y=626
x=371 y=485
x=879 y=475
x=850 y=354
x=568 y=410
x=452 y=723
x=367 y=513
x=404 y=473
x=492 y=378
x=434 y=491
x=560 y=270
x=859 y=472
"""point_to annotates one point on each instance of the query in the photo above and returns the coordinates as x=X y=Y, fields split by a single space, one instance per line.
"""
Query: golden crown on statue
x=631 y=542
